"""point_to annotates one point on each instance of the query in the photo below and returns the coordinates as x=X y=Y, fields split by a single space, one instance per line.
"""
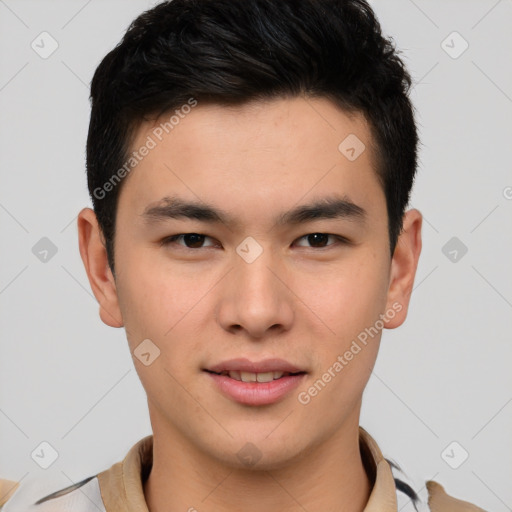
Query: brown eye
x=190 y=240
x=193 y=240
x=319 y=240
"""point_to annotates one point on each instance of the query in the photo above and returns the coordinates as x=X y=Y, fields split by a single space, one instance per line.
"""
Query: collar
x=122 y=490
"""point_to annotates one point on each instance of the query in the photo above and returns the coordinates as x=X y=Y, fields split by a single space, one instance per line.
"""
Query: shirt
x=120 y=488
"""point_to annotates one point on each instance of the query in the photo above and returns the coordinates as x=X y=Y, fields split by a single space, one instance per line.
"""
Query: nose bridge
x=255 y=298
x=257 y=277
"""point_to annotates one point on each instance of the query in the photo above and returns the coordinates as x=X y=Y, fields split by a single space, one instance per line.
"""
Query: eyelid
x=168 y=240
x=172 y=239
x=339 y=239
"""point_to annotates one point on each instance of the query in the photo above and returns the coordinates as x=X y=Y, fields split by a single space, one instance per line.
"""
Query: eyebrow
x=331 y=207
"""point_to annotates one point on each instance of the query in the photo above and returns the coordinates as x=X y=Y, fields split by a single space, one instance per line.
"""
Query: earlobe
x=94 y=257
x=403 y=268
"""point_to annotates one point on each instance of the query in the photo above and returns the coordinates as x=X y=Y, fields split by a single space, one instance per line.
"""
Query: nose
x=255 y=298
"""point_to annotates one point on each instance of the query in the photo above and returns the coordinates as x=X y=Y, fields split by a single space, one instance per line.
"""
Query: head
x=251 y=109
x=215 y=52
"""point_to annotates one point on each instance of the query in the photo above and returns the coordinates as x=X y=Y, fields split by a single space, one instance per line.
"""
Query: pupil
x=193 y=240
x=318 y=238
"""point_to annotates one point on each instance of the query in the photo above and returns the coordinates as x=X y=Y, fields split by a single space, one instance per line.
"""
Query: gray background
x=445 y=376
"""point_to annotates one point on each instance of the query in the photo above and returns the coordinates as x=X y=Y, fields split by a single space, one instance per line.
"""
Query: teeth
x=265 y=377
x=248 y=376
x=255 y=377
x=235 y=374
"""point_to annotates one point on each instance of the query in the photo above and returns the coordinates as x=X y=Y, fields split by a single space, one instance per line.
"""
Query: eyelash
x=172 y=240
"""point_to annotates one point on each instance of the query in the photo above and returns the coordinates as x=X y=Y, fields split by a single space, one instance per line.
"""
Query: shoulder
x=440 y=501
x=95 y=493
x=7 y=489
x=83 y=496
x=436 y=499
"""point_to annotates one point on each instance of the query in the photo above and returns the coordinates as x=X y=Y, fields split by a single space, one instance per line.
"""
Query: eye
x=319 y=240
x=191 y=240
x=196 y=240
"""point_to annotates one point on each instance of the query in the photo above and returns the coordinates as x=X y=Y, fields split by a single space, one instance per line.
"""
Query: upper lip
x=245 y=365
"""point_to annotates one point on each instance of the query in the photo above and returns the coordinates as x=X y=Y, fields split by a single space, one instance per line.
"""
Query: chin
x=259 y=454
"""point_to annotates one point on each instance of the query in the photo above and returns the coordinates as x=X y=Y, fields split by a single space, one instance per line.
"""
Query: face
x=283 y=265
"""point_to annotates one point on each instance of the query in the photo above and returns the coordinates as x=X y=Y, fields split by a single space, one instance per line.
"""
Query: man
x=250 y=163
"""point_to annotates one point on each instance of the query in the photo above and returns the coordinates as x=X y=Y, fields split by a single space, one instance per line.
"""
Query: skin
x=296 y=301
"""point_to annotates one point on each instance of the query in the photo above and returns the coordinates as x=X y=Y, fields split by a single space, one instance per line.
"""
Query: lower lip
x=256 y=393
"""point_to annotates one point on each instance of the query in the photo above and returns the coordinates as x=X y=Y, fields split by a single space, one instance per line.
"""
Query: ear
x=101 y=279
x=403 y=268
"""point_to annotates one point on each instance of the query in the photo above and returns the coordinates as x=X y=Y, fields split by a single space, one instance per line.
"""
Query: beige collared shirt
x=120 y=488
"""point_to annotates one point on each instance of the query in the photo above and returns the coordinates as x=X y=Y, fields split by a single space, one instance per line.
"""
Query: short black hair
x=230 y=52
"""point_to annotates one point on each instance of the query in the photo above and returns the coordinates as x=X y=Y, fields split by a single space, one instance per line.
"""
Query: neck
x=330 y=477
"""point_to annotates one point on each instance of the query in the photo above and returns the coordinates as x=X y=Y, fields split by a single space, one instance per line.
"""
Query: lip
x=245 y=365
x=256 y=393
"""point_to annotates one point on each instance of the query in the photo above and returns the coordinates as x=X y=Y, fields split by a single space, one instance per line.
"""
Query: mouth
x=255 y=383
x=255 y=377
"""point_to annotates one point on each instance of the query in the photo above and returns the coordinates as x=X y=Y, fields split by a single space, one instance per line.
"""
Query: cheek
x=357 y=301
x=163 y=304
x=348 y=299
x=350 y=305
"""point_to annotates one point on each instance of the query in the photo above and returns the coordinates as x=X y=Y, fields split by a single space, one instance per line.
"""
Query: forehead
x=263 y=153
